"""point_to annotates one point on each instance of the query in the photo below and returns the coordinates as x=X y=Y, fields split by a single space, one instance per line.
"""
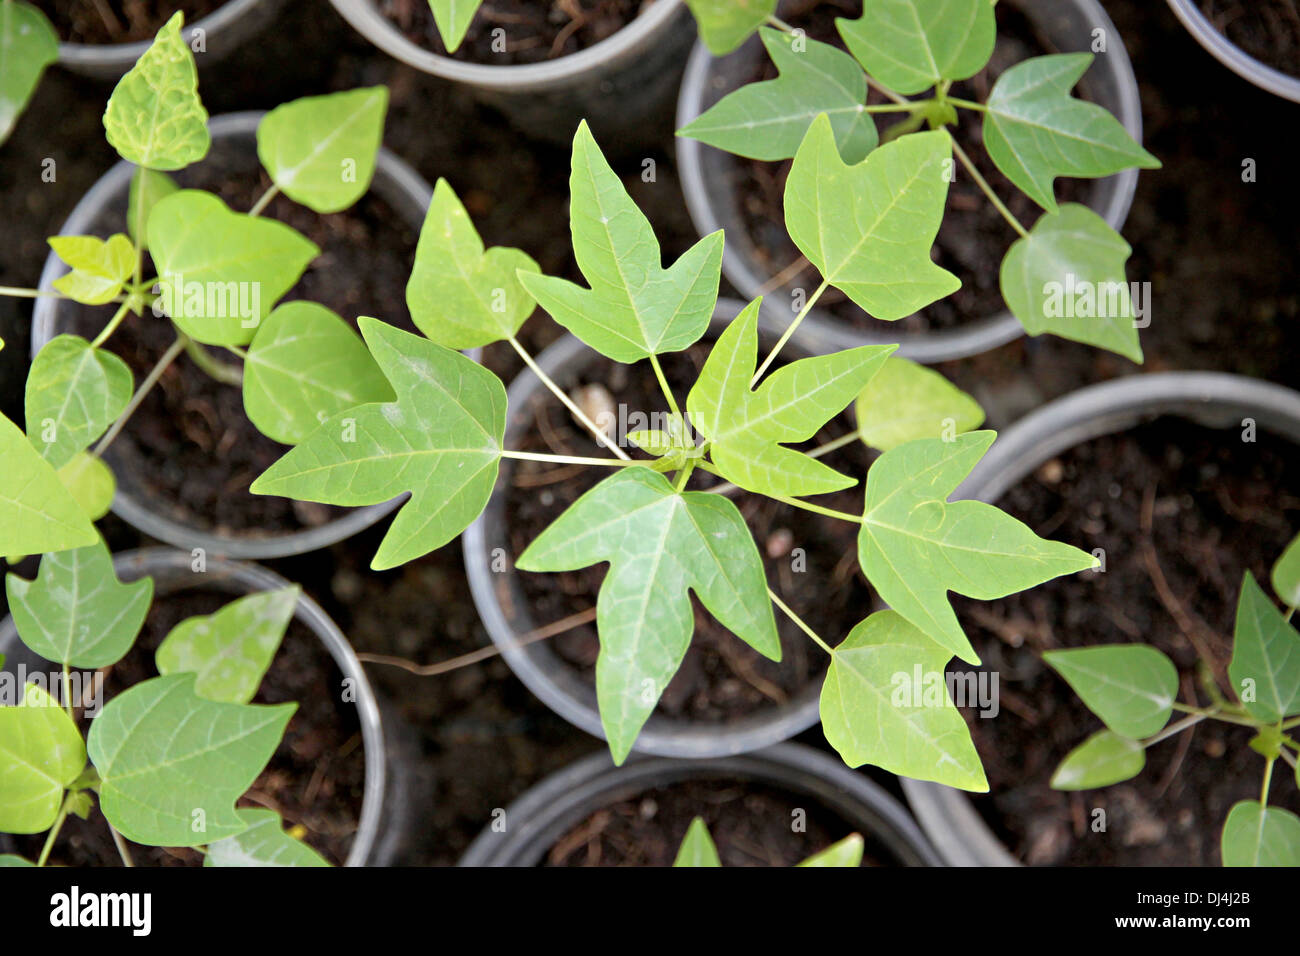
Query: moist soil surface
x=1268 y=30
x=1181 y=512
x=810 y=560
x=973 y=237
x=118 y=21
x=751 y=825
x=508 y=32
x=315 y=780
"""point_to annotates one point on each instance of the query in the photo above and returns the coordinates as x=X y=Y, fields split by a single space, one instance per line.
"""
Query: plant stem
x=1293 y=722
x=122 y=311
x=816 y=509
x=558 y=392
x=1289 y=758
x=226 y=374
x=236 y=351
x=568 y=459
x=1268 y=779
x=17 y=292
x=1215 y=714
x=663 y=384
x=830 y=446
x=885 y=91
x=1172 y=729
x=54 y=831
x=895 y=107
x=909 y=125
x=780 y=24
x=986 y=188
x=684 y=475
x=122 y=850
x=785 y=337
x=968 y=104
x=265 y=200
x=67 y=692
x=150 y=381
x=799 y=622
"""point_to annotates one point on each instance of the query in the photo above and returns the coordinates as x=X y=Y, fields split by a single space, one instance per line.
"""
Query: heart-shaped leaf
x=911 y=45
x=1265 y=665
x=697 y=847
x=28 y=44
x=37 y=514
x=459 y=295
x=868 y=228
x=905 y=401
x=1102 y=759
x=441 y=440
x=74 y=392
x=726 y=24
x=1131 y=687
x=99 y=267
x=659 y=544
x=1255 y=835
x=635 y=308
x=264 y=843
x=41 y=753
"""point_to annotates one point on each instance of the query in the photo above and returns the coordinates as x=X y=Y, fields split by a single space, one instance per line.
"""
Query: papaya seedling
x=698 y=849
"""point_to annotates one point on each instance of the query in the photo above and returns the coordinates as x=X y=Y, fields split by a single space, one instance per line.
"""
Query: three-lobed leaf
x=28 y=44
x=698 y=848
x=99 y=267
x=868 y=228
x=1103 y=759
x=659 y=544
x=911 y=45
x=1265 y=665
x=264 y=843
x=440 y=440
x=37 y=513
x=1131 y=687
x=74 y=392
x=1255 y=835
x=905 y=401
x=726 y=24
x=41 y=754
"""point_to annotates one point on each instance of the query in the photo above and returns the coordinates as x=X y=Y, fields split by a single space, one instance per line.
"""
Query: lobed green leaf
x=37 y=514
x=911 y=45
x=726 y=24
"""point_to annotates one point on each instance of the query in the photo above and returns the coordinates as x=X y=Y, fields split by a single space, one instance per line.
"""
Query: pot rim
x=399 y=185
x=542 y=813
x=172 y=565
x=530 y=77
x=122 y=56
x=828 y=334
x=1213 y=399
x=1232 y=56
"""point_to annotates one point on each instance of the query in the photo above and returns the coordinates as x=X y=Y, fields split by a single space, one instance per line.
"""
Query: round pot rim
x=371 y=24
x=551 y=804
x=406 y=185
x=250 y=578
x=123 y=55
x=830 y=334
x=946 y=814
x=1232 y=56
x=664 y=737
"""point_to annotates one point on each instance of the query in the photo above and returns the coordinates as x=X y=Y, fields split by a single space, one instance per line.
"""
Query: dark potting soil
x=190 y=450
x=1268 y=30
x=973 y=238
x=751 y=825
x=534 y=31
x=1181 y=512
x=118 y=21
x=721 y=677
x=315 y=780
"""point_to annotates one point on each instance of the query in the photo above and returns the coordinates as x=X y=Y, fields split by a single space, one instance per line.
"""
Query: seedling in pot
x=219 y=276
x=698 y=849
x=1064 y=275
x=1133 y=689
x=168 y=757
x=743 y=421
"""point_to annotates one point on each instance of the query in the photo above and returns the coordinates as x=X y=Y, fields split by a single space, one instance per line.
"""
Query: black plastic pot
x=707 y=176
x=1232 y=56
x=397 y=183
x=1212 y=399
x=223 y=30
x=619 y=85
x=504 y=608
x=386 y=810
x=541 y=816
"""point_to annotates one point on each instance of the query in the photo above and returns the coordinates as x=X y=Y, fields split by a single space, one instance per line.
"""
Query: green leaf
x=320 y=150
x=147 y=189
x=99 y=268
x=76 y=611
x=459 y=295
x=873 y=712
x=74 y=392
x=635 y=308
x=262 y=844
x=1255 y=835
x=155 y=117
x=847 y=852
x=915 y=545
x=304 y=365
x=726 y=24
x=221 y=272
x=1265 y=665
x=441 y=440
x=1286 y=574
x=1131 y=687
x=911 y=45
x=37 y=514
x=1035 y=131
x=868 y=228
x=746 y=427
x=906 y=401
x=10 y=859
x=453 y=18
x=768 y=120
x=697 y=848
x=1067 y=277
x=41 y=753
x=659 y=543
x=28 y=44
x=172 y=764
x=230 y=650
x=1102 y=759
x=91 y=484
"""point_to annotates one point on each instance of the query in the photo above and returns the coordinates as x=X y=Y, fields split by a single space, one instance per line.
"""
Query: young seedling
x=698 y=849
x=1064 y=275
x=168 y=757
x=1133 y=689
